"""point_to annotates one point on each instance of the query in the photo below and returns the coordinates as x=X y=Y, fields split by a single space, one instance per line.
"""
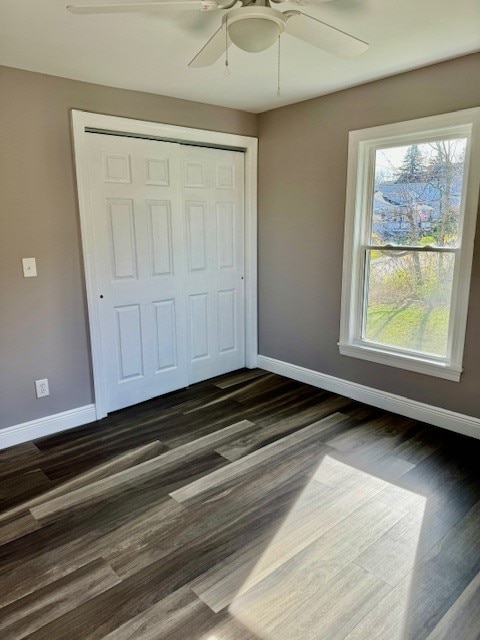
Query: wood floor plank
x=277 y=408
x=223 y=478
x=19 y=459
x=229 y=628
x=305 y=613
x=218 y=587
x=361 y=412
x=439 y=469
x=393 y=556
x=71 y=542
x=125 y=435
x=443 y=574
x=135 y=594
x=264 y=496
x=263 y=388
x=164 y=618
x=424 y=441
x=376 y=460
x=124 y=461
x=334 y=519
x=185 y=428
x=18 y=526
x=62 y=549
x=446 y=508
x=92 y=454
x=263 y=411
x=306 y=538
x=429 y=519
x=387 y=620
x=232 y=380
x=404 y=499
x=140 y=472
x=462 y=620
x=340 y=471
x=23 y=486
x=23 y=617
x=178 y=617
x=252 y=391
x=19 y=451
x=240 y=447
x=381 y=433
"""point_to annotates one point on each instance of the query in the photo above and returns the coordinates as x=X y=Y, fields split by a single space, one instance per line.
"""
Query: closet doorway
x=164 y=230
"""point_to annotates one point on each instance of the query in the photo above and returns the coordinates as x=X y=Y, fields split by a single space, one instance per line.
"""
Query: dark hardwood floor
x=245 y=507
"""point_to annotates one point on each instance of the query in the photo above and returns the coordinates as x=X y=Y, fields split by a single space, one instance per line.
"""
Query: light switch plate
x=29 y=267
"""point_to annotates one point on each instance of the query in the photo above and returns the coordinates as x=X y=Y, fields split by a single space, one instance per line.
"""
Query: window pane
x=417 y=193
x=408 y=300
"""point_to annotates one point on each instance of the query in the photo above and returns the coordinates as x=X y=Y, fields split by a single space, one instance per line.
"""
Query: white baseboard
x=26 y=431
x=458 y=422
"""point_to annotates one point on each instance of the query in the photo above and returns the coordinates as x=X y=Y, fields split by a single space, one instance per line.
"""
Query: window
x=412 y=198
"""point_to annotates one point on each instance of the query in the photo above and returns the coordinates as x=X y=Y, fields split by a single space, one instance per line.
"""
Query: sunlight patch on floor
x=343 y=557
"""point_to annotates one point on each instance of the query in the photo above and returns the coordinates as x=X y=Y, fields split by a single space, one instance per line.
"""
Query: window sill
x=409 y=363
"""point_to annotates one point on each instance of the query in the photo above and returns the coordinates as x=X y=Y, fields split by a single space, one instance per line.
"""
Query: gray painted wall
x=303 y=153
x=43 y=322
x=302 y=179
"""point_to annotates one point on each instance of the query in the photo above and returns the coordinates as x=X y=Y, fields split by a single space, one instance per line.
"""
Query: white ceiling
x=150 y=52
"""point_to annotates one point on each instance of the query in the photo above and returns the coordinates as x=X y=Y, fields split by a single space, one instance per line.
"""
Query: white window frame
x=360 y=182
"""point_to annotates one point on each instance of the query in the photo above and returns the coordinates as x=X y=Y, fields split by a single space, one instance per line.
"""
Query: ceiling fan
x=252 y=25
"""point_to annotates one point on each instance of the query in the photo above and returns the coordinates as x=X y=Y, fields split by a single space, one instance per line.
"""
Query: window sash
x=360 y=330
x=366 y=171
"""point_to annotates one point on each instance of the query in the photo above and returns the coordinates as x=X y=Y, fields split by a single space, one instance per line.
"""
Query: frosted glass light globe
x=254 y=28
x=254 y=34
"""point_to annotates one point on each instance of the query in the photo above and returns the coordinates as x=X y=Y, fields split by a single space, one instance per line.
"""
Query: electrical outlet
x=42 y=388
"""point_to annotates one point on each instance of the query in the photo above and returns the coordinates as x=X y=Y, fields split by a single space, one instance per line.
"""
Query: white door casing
x=171 y=220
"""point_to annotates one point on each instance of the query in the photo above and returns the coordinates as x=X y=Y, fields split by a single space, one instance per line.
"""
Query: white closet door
x=213 y=207
x=156 y=247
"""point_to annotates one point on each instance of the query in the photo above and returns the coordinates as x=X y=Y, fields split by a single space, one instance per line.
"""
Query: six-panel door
x=169 y=255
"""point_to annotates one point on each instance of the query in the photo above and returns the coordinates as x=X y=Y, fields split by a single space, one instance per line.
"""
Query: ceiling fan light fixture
x=256 y=34
x=255 y=29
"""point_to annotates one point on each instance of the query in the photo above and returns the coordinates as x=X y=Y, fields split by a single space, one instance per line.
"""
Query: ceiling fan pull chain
x=279 y=94
x=227 y=68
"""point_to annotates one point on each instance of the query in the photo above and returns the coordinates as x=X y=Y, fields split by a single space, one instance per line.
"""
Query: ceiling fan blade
x=212 y=51
x=180 y=5
x=323 y=36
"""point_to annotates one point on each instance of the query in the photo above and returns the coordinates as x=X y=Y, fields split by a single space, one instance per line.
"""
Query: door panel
x=168 y=226
x=159 y=217
x=116 y=167
x=165 y=333
x=198 y=314
x=129 y=332
x=225 y=235
x=213 y=197
x=196 y=236
x=157 y=171
x=226 y=321
x=122 y=238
